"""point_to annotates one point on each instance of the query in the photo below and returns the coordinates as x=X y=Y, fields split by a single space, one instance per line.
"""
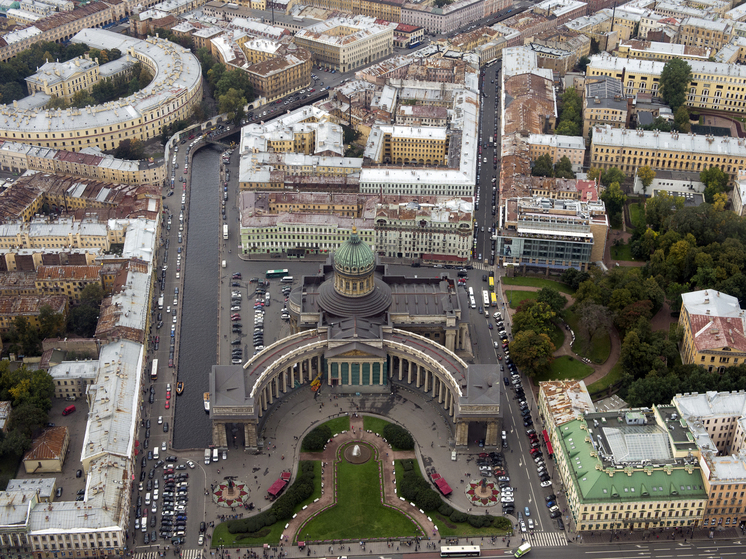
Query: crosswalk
x=548 y=539
x=482 y=266
x=185 y=554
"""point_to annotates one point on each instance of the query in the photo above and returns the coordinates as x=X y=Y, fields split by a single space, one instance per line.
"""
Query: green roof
x=354 y=255
x=599 y=482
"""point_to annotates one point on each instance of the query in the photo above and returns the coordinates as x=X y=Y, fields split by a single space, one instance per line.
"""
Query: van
x=147 y=499
x=287 y=279
x=155 y=453
x=224 y=264
x=68 y=410
x=215 y=455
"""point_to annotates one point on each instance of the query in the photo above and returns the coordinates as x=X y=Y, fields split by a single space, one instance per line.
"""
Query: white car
x=547 y=483
x=201 y=539
x=190 y=464
x=163 y=446
x=160 y=420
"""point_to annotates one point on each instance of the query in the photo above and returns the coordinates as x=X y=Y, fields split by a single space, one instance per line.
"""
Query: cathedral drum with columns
x=360 y=330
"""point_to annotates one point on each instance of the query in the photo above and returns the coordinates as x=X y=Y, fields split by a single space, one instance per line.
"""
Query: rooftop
x=566 y=400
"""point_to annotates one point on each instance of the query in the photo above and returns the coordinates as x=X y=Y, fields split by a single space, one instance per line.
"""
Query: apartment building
x=390 y=11
x=64 y=79
x=561 y=401
x=346 y=44
x=705 y=33
x=88 y=162
x=713 y=330
x=277 y=69
x=557 y=147
x=630 y=149
x=558 y=233
x=634 y=469
x=652 y=50
x=171 y=96
x=72 y=378
x=604 y=104
x=718 y=423
x=29 y=307
x=66 y=280
x=451 y=17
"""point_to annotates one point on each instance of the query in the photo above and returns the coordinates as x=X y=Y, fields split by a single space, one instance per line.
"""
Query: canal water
x=199 y=312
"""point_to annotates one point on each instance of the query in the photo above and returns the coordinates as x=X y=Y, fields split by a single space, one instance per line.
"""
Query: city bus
x=493 y=299
x=472 y=302
x=471 y=292
x=492 y=283
x=522 y=550
x=154 y=370
x=277 y=273
x=486 y=298
x=225 y=232
x=460 y=551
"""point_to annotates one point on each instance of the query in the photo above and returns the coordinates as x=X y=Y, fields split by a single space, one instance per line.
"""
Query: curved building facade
x=175 y=90
x=363 y=339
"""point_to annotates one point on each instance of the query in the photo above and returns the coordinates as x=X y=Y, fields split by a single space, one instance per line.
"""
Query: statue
x=356 y=450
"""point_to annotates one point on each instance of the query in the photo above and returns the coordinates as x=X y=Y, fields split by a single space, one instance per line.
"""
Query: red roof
x=436 y=477
x=715 y=333
x=277 y=487
x=404 y=28
x=444 y=487
x=285 y=476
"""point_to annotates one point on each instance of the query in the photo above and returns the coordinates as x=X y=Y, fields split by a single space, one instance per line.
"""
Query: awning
x=444 y=487
x=277 y=487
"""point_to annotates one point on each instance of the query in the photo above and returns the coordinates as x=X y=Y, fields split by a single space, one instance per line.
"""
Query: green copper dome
x=354 y=256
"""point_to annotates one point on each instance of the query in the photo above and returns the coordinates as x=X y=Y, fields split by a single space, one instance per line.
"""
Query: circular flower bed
x=226 y=496
x=483 y=496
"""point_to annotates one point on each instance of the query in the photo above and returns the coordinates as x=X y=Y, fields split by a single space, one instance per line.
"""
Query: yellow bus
x=493 y=299
x=492 y=283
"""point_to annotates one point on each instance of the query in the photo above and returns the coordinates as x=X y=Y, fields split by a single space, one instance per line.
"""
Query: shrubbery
x=407 y=464
x=283 y=508
x=398 y=437
x=317 y=438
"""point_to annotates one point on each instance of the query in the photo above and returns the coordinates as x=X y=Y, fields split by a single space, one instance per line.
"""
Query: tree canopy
x=570 y=122
x=532 y=351
x=674 y=82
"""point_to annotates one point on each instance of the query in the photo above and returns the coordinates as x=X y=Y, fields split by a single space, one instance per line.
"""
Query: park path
x=599 y=371
x=328 y=457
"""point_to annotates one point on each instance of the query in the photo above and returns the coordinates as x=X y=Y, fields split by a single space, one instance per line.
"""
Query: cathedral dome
x=354 y=257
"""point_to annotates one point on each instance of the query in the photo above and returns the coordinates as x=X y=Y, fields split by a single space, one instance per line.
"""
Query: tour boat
x=206 y=398
x=179 y=387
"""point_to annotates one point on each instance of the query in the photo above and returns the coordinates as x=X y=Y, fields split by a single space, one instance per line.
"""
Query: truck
x=160 y=302
x=208 y=456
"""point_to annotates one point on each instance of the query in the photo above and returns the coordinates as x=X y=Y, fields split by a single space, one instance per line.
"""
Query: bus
x=225 y=232
x=460 y=551
x=277 y=273
x=154 y=370
x=486 y=298
x=522 y=550
x=492 y=283
x=471 y=292
x=493 y=299
x=472 y=302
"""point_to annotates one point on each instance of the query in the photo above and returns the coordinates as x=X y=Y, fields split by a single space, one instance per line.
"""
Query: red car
x=168 y=395
x=168 y=404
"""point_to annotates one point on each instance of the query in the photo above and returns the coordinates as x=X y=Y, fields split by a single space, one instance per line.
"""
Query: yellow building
x=48 y=451
x=66 y=280
x=346 y=44
x=713 y=330
x=630 y=149
x=29 y=308
x=704 y=33
x=64 y=79
x=276 y=69
x=406 y=144
x=557 y=147
x=172 y=95
x=651 y=50
x=714 y=85
x=604 y=103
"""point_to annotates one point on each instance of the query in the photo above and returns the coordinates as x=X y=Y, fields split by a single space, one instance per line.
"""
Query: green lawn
x=636 y=211
x=375 y=424
x=598 y=350
x=565 y=367
x=621 y=252
x=600 y=387
x=538 y=282
x=517 y=297
x=358 y=513
x=221 y=536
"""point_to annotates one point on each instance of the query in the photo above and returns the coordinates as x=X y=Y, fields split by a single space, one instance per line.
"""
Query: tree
x=659 y=123
x=552 y=298
x=612 y=175
x=533 y=315
x=82 y=321
x=583 y=63
x=532 y=352
x=614 y=199
x=563 y=169
x=646 y=176
x=681 y=119
x=715 y=181
x=232 y=103
x=542 y=166
x=594 y=174
x=719 y=201
x=630 y=315
x=51 y=324
x=132 y=149
x=593 y=317
x=571 y=121
x=674 y=82
x=27 y=418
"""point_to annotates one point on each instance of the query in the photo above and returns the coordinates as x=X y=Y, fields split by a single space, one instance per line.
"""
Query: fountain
x=357 y=453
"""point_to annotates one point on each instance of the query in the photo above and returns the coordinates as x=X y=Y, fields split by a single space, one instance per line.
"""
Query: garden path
x=328 y=456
